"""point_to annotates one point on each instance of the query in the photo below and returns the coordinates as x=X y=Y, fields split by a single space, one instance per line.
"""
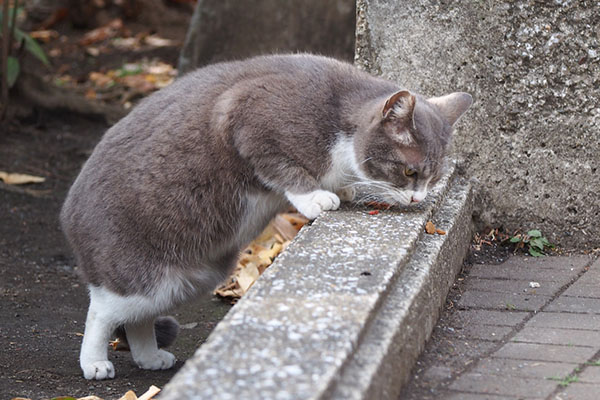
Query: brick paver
x=543 y=342
x=523 y=368
x=579 y=391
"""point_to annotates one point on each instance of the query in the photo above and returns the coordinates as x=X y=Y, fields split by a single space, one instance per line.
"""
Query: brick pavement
x=509 y=340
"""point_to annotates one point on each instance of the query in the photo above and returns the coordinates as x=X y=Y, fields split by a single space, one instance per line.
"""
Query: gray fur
x=167 y=187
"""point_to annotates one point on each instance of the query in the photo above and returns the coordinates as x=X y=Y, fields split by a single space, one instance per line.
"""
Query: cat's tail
x=165 y=328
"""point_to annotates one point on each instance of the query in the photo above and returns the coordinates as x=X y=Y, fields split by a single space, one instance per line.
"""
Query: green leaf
x=32 y=46
x=534 y=252
x=10 y=13
x=12 y=70
x=534 y=233
x=515 y=239
x=537 y=243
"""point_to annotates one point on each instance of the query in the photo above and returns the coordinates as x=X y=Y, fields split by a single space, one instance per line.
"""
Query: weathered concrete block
x=343 y=313
x=533 y=67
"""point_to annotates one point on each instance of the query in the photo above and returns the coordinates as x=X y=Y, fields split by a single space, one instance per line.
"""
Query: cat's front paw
x=160 y=359
x=98 y=370
x=313 y=203
x=346 y=193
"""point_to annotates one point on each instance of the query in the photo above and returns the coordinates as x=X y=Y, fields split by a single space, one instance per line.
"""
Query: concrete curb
x=343 y=313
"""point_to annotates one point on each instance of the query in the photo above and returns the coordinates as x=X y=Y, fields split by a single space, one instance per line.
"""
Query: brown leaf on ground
x=19 y=179
x=130 y=395
x=440 y=231
x=110 y=30
x=44 y=35
x=260 y=253
x=152 y=391
x=430 y=228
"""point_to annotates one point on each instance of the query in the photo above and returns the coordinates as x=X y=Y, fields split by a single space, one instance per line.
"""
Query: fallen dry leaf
x=440 y=231
x=157 y=41
x=259 y=254
x=430 y=228
x=130 y=395
x=89 y=398
x=19 y=179
x=152 y=391
x=104 y=32
x=44 y=35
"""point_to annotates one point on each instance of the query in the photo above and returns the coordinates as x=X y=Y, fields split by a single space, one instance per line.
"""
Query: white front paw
x=311 y=204
x=98 y=370
x=161 y=359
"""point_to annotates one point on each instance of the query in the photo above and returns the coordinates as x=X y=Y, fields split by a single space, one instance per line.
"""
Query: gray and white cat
x=174 y=190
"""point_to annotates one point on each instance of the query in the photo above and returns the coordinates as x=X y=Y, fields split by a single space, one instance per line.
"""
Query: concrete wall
x=532 y=138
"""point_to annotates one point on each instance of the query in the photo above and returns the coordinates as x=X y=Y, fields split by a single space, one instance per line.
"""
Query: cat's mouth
x=399 y=198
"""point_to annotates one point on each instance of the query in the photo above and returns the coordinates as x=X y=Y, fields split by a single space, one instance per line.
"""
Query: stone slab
x=502 y=301
x=575 y=304
x=448 y=395
x=523 y=368
x=524 y=273
x=591 y=374
x=567 y=337
x=485 y=332
x=579 y=391
x=315 y=326
x=489 y=317
x=504 y=385
x=545 y=352
x=584 y=288
x=513 y=286
x=565 y=320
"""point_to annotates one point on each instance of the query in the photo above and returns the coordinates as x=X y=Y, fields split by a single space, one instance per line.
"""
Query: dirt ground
x=42 y=303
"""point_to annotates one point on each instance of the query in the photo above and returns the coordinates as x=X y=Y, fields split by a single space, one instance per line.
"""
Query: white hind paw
x=161 y=359
x=98 y=370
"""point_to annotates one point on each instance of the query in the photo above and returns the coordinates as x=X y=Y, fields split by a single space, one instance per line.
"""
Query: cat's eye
x=409 y=171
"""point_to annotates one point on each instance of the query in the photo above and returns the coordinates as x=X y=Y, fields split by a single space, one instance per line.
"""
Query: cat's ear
x=452 y=106
x=397 y=116
x=400 y=105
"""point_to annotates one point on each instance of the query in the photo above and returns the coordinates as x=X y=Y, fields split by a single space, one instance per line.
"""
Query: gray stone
x=513 y=286
x=571 y=337
x=575 y=304
x=579 y=391
x=523 y=368
x=485 y=332
x=504 y=385
x=502 y=301
x=524 y=272
x=545 y=352
x=591 y=374
x=489 y=317
x=229 y=29
x=532 y=66
x=565 y=320
x=316 y=326
x=447 y=395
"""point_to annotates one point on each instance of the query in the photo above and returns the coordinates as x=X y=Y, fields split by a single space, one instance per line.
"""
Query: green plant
x=13 y=41
x=564 y=382
x=536 y=243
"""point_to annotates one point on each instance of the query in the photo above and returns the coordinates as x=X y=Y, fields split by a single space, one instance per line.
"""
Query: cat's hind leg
x=102 y=319
x=144 y=348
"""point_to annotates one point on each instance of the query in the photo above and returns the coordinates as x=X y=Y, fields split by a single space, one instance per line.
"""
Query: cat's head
x=403 y=150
